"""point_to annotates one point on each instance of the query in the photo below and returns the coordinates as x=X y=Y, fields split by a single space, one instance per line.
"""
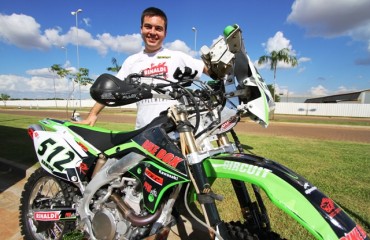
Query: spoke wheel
x=44 y=191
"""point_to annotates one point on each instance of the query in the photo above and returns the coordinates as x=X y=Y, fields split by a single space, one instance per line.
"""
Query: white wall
x=34 y=104
x=311 y=109
x=324 y=109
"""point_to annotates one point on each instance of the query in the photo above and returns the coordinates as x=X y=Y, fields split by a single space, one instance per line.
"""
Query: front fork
x=254 y=213
x=198 y=175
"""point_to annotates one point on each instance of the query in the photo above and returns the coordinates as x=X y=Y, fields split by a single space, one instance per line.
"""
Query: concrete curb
x=28 y=170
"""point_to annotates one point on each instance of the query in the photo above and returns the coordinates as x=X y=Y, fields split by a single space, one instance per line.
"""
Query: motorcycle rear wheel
x=43 y=191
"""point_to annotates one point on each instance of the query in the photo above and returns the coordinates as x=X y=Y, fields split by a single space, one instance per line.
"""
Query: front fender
x=288 y=191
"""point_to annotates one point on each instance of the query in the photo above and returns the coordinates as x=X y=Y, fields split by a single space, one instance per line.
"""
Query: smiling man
x=154 y=60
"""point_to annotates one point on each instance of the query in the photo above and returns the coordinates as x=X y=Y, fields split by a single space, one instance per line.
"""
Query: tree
x=4 y=97
x=62 y=73
x=274 y=58
x=82 y=77
x=272 y=91
x=115 y=67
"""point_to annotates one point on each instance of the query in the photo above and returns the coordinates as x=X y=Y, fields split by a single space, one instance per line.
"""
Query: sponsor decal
x=82 y=146
x=152 y=191
x=308 y=188
x=158 y=69
x=154 y=177
x=163 y=57
x=153 y=195
x=147 y=186
x=229 y=124
x=83 y=168
x=68 y=215
x=328 y=206
x=246 y=168
x=168 y=175
x=162 y=154
x=47 y=165
x=357 y=233
x=46 y=216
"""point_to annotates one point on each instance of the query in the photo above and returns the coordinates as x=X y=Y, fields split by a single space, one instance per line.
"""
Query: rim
x=46 y=193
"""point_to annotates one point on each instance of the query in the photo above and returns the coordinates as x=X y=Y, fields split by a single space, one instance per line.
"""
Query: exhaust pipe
x=128 y=213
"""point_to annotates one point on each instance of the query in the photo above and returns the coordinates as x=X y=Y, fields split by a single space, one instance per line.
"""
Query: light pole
x=195 y=39
x=78 y=55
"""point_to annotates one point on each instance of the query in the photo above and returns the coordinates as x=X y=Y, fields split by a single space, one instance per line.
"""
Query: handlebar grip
x=187 y=74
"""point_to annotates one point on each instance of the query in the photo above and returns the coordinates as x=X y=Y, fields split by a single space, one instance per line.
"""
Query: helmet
x=112 y=91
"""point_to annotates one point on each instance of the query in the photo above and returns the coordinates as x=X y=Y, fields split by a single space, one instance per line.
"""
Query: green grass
x=323 y=120
x=17 y=146
x=339 y=169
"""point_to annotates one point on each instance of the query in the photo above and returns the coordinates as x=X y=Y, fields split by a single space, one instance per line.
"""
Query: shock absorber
x=197 y=174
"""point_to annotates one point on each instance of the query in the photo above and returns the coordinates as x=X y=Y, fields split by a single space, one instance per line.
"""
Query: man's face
x=153 y=33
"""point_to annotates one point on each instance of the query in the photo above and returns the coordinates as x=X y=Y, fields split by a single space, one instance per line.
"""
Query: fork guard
x=290 y=192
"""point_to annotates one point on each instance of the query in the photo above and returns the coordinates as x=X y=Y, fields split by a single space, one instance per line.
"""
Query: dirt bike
x=131 y=185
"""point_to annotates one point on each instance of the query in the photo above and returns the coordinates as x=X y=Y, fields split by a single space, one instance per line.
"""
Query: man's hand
x=93 y=115
x=90 y=120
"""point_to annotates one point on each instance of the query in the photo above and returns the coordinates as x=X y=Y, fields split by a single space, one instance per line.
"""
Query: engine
x=109 y=221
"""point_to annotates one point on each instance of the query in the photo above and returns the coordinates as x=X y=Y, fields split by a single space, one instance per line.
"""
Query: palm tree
x=272 y=91
x=115 y=67
x=274 y=58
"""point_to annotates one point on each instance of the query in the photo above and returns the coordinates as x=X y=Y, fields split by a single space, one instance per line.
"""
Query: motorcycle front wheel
x=44 y=191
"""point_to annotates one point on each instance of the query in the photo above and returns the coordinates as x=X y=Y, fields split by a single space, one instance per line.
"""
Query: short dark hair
x=153 y=11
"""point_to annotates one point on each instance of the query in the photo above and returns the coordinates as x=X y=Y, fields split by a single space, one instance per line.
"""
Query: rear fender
x=319 y=214
x=59 y=154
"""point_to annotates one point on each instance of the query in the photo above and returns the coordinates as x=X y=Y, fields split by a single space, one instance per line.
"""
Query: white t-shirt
x=165 y=62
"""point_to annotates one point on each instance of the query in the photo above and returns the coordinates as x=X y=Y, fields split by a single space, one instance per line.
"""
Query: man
x=153 y=60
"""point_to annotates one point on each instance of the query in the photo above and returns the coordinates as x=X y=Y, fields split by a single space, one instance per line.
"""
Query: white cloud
x=45 y=72
x=343 y=89
x=128 y=43
x=87 y=21
x=23 y=31
x=304 y=59
x=319 y=91
x=276 y=43
x=181 y=46
x=301 y=69
x=332 y=18
x=40 y=84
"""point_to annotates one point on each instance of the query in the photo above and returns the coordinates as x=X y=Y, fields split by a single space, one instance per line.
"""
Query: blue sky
x=331 y=39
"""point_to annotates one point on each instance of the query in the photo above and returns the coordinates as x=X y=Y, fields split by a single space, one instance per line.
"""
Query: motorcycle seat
x=104 y=139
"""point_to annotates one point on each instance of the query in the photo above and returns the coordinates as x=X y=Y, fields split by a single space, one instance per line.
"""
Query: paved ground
x=12 y=177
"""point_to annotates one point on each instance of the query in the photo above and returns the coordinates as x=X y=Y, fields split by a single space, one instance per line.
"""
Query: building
x=362 y=97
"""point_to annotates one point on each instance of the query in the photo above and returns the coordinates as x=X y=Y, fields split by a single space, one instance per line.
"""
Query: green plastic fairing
x=280 y=192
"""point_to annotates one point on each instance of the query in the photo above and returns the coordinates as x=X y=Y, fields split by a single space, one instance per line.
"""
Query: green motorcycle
x=133 y=185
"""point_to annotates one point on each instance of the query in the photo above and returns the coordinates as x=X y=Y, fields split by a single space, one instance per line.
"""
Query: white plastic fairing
x=54 y=153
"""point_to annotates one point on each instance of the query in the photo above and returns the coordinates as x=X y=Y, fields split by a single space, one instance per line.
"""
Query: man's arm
x=93 y=115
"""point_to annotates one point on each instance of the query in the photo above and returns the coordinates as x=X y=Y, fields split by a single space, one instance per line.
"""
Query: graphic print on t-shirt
x=156 y=70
